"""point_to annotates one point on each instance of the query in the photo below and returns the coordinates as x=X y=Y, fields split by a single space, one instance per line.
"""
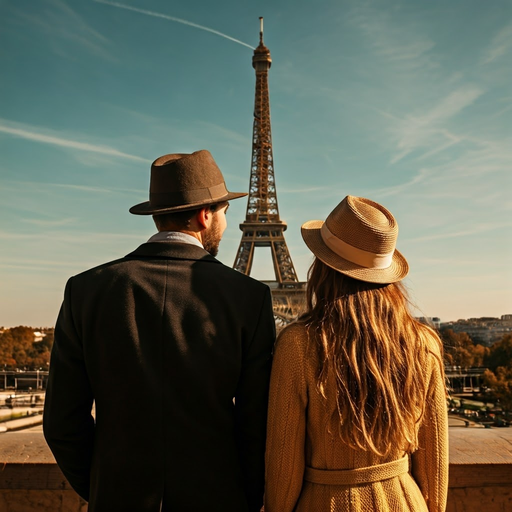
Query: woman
x=357 y=413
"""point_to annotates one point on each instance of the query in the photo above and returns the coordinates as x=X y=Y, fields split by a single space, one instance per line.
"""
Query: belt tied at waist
x=358 y=475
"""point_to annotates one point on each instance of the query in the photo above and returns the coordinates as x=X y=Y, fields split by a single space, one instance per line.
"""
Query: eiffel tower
x=262 y=226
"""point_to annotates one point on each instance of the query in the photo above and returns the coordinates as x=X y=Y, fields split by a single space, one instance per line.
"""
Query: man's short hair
x=179 y=220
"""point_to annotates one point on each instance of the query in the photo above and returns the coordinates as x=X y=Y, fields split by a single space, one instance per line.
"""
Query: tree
x=499 y=376
x=500 y=386
x=18 y=348
x=460 y=350
x=479 y=354
x=501 y=353
x=23 y=339
x=6 y=349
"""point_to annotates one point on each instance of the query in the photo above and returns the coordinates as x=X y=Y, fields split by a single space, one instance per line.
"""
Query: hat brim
x=311 y=235
x=146 y=208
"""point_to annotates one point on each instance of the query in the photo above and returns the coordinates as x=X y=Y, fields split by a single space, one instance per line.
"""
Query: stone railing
x=480 y=473
x=480 y=470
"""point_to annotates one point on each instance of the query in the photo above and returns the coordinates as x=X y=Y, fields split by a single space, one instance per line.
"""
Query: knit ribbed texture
x=301 y=434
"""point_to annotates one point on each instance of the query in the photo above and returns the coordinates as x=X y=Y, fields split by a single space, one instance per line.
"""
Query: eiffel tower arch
x=263 y=226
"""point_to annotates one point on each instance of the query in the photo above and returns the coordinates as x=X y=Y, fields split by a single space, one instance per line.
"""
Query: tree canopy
x=461 y=351
x=18 y=348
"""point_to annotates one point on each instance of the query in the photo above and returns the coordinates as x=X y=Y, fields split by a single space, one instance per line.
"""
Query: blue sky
x=408 y=103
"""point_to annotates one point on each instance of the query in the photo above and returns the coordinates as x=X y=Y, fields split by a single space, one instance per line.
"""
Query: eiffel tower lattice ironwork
x=263 y=226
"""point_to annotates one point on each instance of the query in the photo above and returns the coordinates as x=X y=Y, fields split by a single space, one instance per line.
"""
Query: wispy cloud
x=452 y=140
x=467 y=178
x=81 y=188
x=14 y=187
x=481 y=158
x=452 y=105
x=37 y=134
x=450 y=260
x=304 y=190
x=30 y=264
x=172 y=18
x=39 y=267
x=473 y=230
x=501 y=112
x=397 y=189
x=230 y=136
x=430 y=107
x=399 y=44
x=428 y=130
x=82 y=238
x=49 y=222
x=500 y=45
x=73 y=30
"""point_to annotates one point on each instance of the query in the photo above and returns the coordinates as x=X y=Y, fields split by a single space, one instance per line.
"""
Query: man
x=174 y=349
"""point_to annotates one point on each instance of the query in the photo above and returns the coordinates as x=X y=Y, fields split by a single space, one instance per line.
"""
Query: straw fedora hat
x=182 y=182
x=358 y=239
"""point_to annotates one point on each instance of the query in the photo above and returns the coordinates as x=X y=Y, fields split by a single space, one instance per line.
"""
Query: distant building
x=432 y=321
x=38 y=336
x=484 y=330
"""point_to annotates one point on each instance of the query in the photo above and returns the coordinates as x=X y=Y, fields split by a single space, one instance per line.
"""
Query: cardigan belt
x=359 y=475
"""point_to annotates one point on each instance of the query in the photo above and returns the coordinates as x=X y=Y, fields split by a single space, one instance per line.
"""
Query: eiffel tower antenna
x=263 y=226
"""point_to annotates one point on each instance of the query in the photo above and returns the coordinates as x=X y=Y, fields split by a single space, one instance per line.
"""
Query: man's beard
x=212 y=237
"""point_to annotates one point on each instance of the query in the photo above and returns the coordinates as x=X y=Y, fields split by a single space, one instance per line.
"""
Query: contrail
x=66 y=143
x=172 y=18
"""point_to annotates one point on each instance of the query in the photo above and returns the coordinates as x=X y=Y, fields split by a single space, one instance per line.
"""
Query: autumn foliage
x=497 y=379
x=18 y=348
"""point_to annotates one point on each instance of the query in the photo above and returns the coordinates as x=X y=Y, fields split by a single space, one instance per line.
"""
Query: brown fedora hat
x=182 y=182
x=358 y=239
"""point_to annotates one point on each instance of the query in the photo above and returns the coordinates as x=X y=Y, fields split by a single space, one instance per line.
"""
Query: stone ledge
x=480 y=446
x=33 y=476
x=30 y=480
x=480 y=473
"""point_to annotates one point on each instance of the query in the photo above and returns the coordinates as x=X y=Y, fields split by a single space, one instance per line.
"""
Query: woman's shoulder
x=293 y=332
x=434 y=364
x=293 y=337
x=433 y=346
x=293 y=354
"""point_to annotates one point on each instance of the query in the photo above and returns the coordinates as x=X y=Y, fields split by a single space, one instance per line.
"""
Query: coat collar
x=172 y=250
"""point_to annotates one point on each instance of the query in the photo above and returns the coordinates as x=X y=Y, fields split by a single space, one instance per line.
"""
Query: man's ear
x=204 y=217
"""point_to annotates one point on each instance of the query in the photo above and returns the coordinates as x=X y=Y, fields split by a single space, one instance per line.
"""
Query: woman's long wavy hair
x=376 y=351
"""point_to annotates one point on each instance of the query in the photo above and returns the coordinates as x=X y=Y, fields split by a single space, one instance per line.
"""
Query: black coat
x=162 y=341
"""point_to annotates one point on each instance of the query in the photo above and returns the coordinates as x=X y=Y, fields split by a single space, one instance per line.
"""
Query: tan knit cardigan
x=300 y=441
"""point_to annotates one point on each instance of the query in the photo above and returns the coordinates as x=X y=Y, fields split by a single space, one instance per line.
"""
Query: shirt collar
x=175 y=236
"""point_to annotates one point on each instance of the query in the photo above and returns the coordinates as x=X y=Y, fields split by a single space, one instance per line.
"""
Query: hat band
x=183 y=197
x=353 y=254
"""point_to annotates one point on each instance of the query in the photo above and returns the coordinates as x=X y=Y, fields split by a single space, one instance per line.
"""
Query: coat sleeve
x=285 y=453
x=251 y=401
x=430 y=461
x=68 y=424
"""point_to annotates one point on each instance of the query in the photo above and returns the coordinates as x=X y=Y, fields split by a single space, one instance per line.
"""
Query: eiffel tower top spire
x=261 y=53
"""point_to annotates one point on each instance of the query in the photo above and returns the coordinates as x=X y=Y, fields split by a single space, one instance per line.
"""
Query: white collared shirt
x=175 y=236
